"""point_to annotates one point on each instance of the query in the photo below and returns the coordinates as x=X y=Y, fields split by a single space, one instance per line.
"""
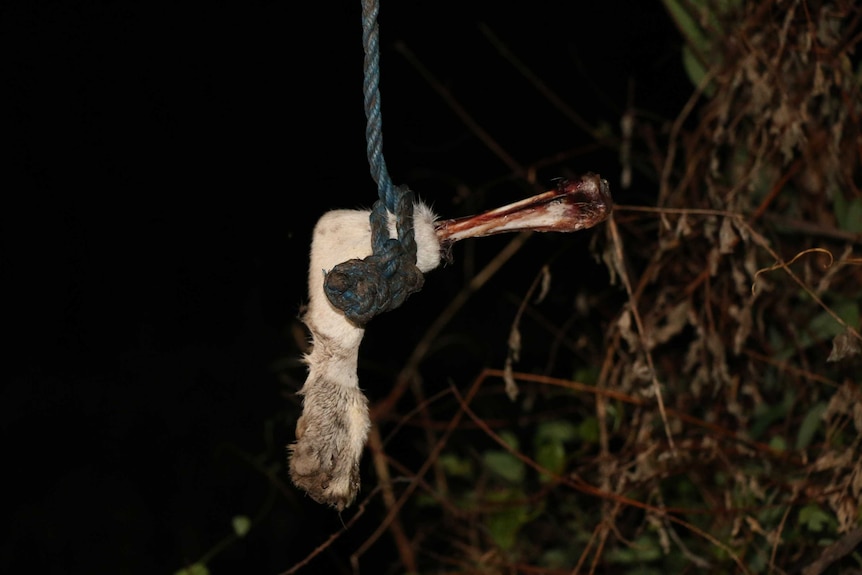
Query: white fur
x=332 y=431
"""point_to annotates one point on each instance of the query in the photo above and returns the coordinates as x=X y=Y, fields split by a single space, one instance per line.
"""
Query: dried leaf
x=665 y=223
x=712 y=261
x=742 y=229
x=847 y=400
x=545 y=286
x=741 y=276
x=834 y=460
x=625 y=326
x=683 y=228
x=663 y=538
x=675 y=321
x=515 y=343
x=509 y=379
x=743 y=317
x=810 y=425
x=610 y=260
x=642 y=372
x=856 y=481
x=844 y=345
x=727 y=237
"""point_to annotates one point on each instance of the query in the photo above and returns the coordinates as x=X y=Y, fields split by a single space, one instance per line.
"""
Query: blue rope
x=382 y=281
x=371 y=92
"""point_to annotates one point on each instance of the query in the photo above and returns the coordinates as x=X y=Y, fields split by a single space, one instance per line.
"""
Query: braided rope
x=382 y=281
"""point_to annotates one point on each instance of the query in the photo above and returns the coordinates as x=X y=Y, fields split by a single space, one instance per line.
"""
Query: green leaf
x=554 y=559
x=848 y=214
x=812 y=422
x=853 y=219
x=456 y=466
x=588 y=430
x=505 y=524
x=778 y=443
x=241 y=525
x=510 y=439
x=195 y=569
x=824 y=327
x=552 y=456
x=771 y=514
x=505 y=465
x=688 y=26
x=588 y=375
x=695 y=69
x=700 y=23
x=558 y=430
x=504 y=527
x=644 y=549
x=424 y=500
x=813 y=518
x=766 y=414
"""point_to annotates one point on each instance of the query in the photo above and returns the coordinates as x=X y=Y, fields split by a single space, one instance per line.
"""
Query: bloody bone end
x=573 y=205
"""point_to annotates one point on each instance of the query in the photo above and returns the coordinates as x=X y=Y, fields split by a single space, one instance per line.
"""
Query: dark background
x=164 y=165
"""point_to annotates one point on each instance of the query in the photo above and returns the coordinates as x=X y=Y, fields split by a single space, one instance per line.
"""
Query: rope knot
x=382 y=281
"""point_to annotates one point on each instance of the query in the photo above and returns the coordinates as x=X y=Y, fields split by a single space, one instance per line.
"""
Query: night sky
x=164 y=165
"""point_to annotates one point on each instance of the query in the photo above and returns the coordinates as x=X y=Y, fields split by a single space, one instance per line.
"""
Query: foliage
x=720 y=434
x=714 y=424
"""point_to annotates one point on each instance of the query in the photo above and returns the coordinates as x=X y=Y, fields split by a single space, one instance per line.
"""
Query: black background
x=164 y=166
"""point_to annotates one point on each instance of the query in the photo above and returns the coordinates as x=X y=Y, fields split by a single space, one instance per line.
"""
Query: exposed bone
x=574 y=205
x=331 y=433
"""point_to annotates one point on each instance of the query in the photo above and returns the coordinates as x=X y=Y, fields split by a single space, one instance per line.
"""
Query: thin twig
x=761 y=448
x=378 y=455
x=633 y=306
x=848 y=543
x=585 y=487
x=402 y=381
x=664 y=185
x=543 y=88
x=411 y=486
x=772 y=565
x=411 y=366
x=604 y=531
x=360 y=510
x=762 y=242
x=486 y=138
x=586 y=552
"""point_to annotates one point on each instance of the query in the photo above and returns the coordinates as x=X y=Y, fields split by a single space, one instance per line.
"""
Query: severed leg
x=333 y=428
x=331 y=433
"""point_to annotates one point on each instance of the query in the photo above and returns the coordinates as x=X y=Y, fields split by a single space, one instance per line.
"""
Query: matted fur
x=333 y=428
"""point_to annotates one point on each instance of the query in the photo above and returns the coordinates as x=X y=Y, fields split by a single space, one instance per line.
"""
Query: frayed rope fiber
x=382 y=281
